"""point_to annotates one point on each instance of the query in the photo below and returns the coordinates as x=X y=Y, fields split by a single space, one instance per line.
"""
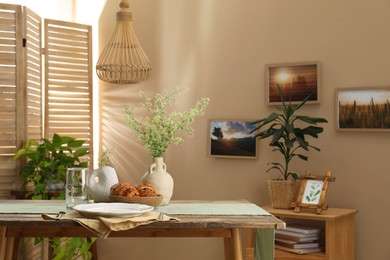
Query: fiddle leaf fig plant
x=287 y=137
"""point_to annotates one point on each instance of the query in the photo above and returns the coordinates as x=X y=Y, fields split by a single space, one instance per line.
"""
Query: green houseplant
x=47 y=162
x=46 y=165
x=288 y=132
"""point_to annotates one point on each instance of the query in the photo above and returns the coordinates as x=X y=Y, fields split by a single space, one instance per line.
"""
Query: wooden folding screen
x=20 y=99
x=12 y=93
x=68 y=80
x=33 y=73
x=65 y=101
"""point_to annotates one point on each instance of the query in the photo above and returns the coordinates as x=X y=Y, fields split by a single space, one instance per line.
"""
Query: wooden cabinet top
x=327 y=215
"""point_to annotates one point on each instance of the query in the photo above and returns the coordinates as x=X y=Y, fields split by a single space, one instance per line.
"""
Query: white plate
x=121 y=210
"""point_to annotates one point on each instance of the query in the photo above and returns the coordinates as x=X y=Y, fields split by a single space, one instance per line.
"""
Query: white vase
x=100 y=182
x=161 y=180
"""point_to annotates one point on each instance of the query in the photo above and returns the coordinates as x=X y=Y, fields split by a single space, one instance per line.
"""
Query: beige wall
x=218 y=48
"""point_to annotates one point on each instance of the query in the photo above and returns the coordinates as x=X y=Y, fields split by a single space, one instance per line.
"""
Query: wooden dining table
x=227 y=225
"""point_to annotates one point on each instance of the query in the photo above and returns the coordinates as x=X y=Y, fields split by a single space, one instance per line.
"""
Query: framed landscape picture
x=232 y=139
x=363 y=109
x=296 y=81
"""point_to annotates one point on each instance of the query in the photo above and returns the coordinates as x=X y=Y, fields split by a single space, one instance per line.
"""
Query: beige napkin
x=102 y=227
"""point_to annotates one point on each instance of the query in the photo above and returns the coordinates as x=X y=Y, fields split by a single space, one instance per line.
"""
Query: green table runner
x=32 y=207
x=213 y=209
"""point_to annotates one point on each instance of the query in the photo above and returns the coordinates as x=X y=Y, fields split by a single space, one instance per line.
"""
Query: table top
x=186 y=221
x=329 y=214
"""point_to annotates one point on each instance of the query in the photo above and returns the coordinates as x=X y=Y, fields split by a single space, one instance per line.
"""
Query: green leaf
x=48 y=145
x=57 y=141
x=312 y=131
x=277 y=135
x=303 y=157
x=315 y=148
x=83 y=165
x=30 y=144
x=39 y=187
x=66 y=139
x=303 y=102
x=289 y=144
x=80 y=152
x=303 y=143
x=76 y=143
x=36 y=197
x=290 y=128
x=61 y=255
x=19 y=153
x=312 y=120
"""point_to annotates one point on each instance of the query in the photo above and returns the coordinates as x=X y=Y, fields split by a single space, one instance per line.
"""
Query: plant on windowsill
x=45 y=171
x=289 y=139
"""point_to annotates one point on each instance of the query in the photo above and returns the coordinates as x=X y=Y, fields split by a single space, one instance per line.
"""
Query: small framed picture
x=313 y=192
x=232 y=139
x=363 y=109
x=296 y=81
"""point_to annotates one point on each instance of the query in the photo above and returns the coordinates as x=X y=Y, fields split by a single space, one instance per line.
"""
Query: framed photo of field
x=232 y=139
x=363 y=109
x=296 y=81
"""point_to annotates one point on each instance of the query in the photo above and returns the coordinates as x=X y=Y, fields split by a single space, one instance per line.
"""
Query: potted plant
x=159 y=129
x=47 y=163
x=45 y=171
x=288 y=133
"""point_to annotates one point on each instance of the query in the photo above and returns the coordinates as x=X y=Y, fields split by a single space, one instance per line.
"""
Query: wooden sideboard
x=339 y=235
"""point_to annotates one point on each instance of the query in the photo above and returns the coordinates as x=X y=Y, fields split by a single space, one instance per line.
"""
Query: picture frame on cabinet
x=232 y=139
x=313 y=192
x=296 y=80
x=363 y=109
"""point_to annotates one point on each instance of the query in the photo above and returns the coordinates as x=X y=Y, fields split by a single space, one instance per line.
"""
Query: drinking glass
x=76 y=187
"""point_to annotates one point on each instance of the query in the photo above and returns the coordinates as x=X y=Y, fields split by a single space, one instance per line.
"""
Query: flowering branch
x=158 y=129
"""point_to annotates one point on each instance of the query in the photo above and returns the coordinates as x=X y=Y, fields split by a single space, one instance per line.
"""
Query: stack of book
x=298 y=239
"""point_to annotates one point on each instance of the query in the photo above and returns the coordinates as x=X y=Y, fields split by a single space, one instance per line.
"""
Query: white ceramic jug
x=100 y=182
x=161 y=180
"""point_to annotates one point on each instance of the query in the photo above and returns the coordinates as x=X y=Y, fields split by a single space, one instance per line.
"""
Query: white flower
x=158 y=129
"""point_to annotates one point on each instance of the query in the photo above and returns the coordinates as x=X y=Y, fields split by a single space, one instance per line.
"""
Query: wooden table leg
x=228 y=247
x=8 y=248
x=3 y=242
x=15 y=248
x=237 y=248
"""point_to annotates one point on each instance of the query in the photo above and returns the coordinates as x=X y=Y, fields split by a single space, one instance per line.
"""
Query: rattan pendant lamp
x=123 y=61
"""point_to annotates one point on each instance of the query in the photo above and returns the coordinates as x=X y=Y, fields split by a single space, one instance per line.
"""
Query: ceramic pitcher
x=100 y=182
x=161 y=180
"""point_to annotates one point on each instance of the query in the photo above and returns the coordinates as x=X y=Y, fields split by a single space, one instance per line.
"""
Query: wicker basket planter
x=283 y=192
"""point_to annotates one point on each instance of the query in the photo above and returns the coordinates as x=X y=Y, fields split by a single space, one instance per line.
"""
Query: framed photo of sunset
x=296 y=81
x=232 y=139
